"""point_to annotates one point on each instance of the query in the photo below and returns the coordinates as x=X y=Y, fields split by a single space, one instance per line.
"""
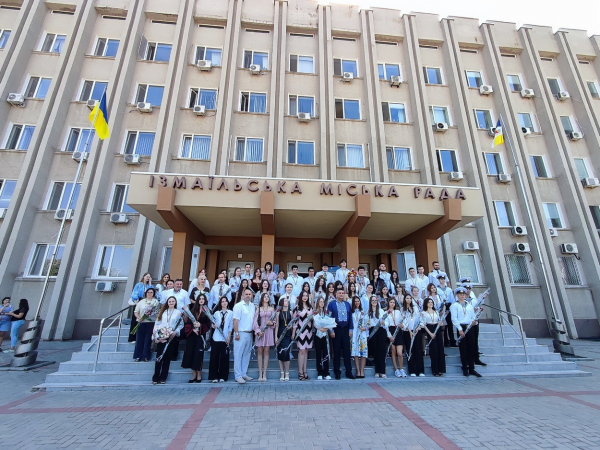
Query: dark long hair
x=371 y=312
x=321 y=283
x=238 y=295
x=165 y=306
x=301 y=302
x=404 y=308
x=23 y=303
x=349 y=291
x=195 y=309
x=426 y=304
x=260 y=304
x=354 y=307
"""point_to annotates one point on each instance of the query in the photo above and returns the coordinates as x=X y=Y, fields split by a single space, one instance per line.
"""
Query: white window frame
x=44 y=35
x=558 y=211
x=297 y=55
x=477 y=120
x=47 y=255
x=2 y=31
x=548 y=175
x=342 y=66
x=410 y=157
x=390 y=112
x=476 y=263
x=137 y=136
x=344 y=108
x=3 y=182
x=98 y=262
x=304 y=96
x=562 y=261
x=447 y=114
x=9 y=132
x=156 y=44
x=456 y=156
x=518 y=75
x=574 y=124
x=346 y=144
x=82 y=87
x=79 y=138
x=205 y=47
x=559 y=82
x=443 y=78
x=192 y=136
x=531 y=117
x=62 y=195
x=103 y=55
x=386 y=76
x=596 y=86
x=199 y=90
x=586 y=165
x=112 y=199
x=37 y=87
x=525 y=264
x=512 y=210
x=245 y=138
x=249 y=95
x=252 y=58
x=480 y=77
x=595 y=212
x=137 y=93
x=163 y=259
x=296 y=142
x=501 y=162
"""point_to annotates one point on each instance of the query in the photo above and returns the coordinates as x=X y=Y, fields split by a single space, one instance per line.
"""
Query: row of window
x=506 y=215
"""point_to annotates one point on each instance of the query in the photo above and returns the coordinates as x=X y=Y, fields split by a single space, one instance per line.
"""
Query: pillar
x=181 y=256
x=267 y=250
x=349 y=247
x=384 y=258
x=426 y=251
x=212 y=260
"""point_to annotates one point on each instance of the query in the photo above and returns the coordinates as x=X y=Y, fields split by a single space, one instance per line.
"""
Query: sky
x=575 y=14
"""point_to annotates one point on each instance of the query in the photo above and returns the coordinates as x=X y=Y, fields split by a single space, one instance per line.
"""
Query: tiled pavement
x=560 y=413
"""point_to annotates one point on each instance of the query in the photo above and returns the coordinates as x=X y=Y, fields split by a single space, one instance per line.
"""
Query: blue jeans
x=143 y=341
x=14 y=332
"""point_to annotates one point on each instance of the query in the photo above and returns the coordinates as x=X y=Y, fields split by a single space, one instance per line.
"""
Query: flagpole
x=559 y=336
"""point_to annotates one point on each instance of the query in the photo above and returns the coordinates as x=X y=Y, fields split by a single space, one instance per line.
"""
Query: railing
x=521 y=334
x=116 y=316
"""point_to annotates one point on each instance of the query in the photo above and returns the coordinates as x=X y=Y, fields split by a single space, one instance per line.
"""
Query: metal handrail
x=98 y=341
x=521 y=334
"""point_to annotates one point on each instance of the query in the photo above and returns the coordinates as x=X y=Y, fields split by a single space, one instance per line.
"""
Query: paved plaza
x=526 y=413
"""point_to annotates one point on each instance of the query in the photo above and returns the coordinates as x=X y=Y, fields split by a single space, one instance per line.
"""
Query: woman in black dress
x=195 y=332
x=282 y=320
x=378 y=283
x=431 y=318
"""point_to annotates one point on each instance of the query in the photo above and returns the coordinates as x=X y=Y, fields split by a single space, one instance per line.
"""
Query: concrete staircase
x=116 y=366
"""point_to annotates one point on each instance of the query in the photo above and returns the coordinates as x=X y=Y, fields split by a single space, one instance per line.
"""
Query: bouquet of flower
x=323 y=321
x=163 y=334
x=149 y=311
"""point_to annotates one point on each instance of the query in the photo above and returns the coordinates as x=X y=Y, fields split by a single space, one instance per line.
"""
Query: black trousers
x=475 y=331
x=320 y=346
x=379 y=343
x=468 y=349
x=132 y=325
x=341 y=347
x=449 y=338
x=218 y=367
x=436 y=351
x=161 y=368
x=416 y=364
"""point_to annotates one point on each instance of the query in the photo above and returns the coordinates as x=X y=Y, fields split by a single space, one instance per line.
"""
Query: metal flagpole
x=560 y=339
x=26 y=354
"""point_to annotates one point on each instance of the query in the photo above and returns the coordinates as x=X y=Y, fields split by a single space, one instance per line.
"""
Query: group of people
x=345 y=315
x=11 y=320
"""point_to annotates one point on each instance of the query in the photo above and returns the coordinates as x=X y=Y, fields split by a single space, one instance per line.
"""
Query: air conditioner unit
x=347 y=76
x=303 y=117
x=553 y=232
x=470 y=246
x=526 y=130
x=255 y=69
x=119 y=218
x=395 y=80
x=441 y=127
x=132 y=159
x=492 y=131
x=455 y=176
x=527 y=93
x=200 y=110
x=521 y=248
x=144 y=107
x=61 y=213
x=105 y=286
x=16 y=99
x=590 y=182
x=485 y=89
x=504 y=178
x=91 y=104
x=562 y=95
x=2 y=213
x=78 y=156
x=518 y=231
x=204 y=64
x=575 y=135
x=569 y=248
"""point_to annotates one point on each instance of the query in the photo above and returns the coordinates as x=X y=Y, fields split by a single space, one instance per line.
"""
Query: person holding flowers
x=359 y=337
x=167 y=326
x=376 y=324
x=413 y=328
x=139 y=293
x=304 y=339
x=282 y=322
x=323 y=323
x=264 y=338
x=145 y=313
x=195 y=332
x=394 y=326
x=218 y=369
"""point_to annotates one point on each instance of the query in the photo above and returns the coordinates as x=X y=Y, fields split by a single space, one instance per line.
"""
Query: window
x=78 y=137
x=249 y=149
x=552 y=214
x=40 y=260
x=514 y=83
x=484 y=119
x=439 y=114
x=525 y=121
x=166 y=260
x=53 y=43
x=466 y=266
x=345 y=65
x=60 y=191
x=195 y=147
x=398 y=158
x=210 y=54
x=350 y=155
x=92 y=90
x=259 y=58
x=139 y=143
x=118 y=199
x=447 y=161
x=253 y=102
x=347 y=109
x=554 y=86
x=386 y=71
x=567 y=124
x=37 y=87
x=539 y=166
x=157 y=52
x=433 y=75
x=394 y=112
x=150 y=94
x=4 y=35
x=301 y=64
x=518 y=270
x=474 y=79
x=569 y=269
x=7 y=187
x=106 y=47
x=494 y=163
x=505 y=214
x=206 y=97
x=19 y=137
x=582 y=169
x=592 y=86
x=113 y=261
x=301 y=152
x=594 y=210
x=301 y=104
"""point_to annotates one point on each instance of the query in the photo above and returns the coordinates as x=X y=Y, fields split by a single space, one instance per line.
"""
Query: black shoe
x=338 y=377
x=465 y=372
x=370 y=363
x=192 y=381
x=350 y=376
x=473 y=372
x=199 y=381
x=479 y=363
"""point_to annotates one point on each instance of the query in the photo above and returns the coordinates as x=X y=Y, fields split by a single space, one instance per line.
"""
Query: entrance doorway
x=302 y=268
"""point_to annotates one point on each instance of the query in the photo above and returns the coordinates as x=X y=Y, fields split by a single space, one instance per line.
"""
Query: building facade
x=304 y=93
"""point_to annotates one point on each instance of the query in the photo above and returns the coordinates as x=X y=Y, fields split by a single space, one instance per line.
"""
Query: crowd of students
x=345 y=315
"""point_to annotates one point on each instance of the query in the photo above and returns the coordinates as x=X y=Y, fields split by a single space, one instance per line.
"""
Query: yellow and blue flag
x=99 y=118
x=498 y=136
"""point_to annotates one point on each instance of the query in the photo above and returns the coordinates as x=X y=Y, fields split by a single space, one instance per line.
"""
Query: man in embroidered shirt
x=435 y=273
x=341 y=335
x=243 y=316
x=362 y=281
x=296 y=281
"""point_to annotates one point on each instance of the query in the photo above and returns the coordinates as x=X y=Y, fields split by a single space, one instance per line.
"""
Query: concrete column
x=267 y=249
x=324 y=88
x=212 y=260
x=16 y=36
x=350 y=251
x=181 y=256
x=426 y=251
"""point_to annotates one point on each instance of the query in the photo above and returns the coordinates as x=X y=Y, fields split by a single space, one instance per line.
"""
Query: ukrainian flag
x=498 y=136
x=99 y=118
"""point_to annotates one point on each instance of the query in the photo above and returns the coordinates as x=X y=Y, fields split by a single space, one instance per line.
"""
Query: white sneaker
x=214 y=381
x=319 y=377
x=412 y=375
x=421 y=374
x=403 y=373
x=240 y=380
x=328 y=377
x=221 y=380
x=397 y=373
x=247 y=378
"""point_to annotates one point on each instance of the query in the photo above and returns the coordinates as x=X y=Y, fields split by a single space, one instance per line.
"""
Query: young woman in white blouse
x=218 y=368
x=168 y=317
x=358 y=349
x=378 y=341
x=265 y=288
x=413 y=327
x=393 y=323
x=431 y=318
